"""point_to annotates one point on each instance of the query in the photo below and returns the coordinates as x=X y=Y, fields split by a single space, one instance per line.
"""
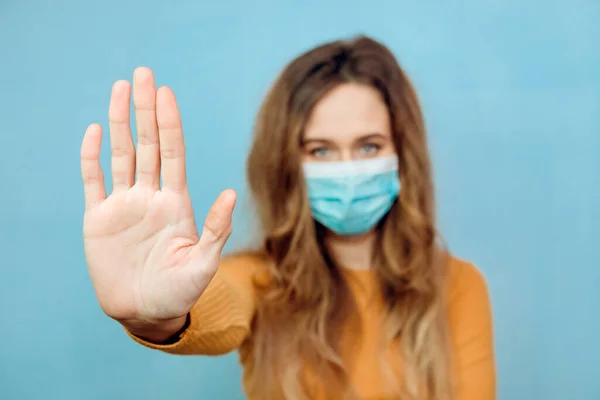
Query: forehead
x=348 y=111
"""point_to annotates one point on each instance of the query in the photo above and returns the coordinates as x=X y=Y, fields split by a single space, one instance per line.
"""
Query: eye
x=369 y=149
x=320 y=152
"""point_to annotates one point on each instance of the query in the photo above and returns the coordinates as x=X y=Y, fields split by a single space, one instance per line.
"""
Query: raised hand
x=146 y=260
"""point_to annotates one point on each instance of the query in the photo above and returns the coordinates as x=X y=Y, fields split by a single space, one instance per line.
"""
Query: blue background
x=511 y=92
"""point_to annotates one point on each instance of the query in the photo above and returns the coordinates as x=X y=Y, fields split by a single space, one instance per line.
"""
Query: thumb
x=217 y=226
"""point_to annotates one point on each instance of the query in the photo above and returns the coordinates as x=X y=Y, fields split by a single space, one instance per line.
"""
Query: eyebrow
x=375 y=135
x=363 y=138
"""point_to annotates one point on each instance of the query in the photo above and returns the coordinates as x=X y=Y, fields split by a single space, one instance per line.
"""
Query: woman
x=350 y=295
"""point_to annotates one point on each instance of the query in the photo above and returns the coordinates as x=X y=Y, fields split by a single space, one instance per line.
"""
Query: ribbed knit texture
x=221 y=321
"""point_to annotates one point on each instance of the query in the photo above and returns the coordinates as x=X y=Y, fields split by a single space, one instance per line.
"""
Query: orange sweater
x=221 y=320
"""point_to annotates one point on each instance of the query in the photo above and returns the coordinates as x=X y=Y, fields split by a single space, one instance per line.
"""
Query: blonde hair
x=306 y=302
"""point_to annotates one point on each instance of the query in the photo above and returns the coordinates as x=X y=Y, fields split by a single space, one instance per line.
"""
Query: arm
x=472 y=333
x=220 y=321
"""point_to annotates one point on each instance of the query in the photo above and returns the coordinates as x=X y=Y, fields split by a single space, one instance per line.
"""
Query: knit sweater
x=220 y=322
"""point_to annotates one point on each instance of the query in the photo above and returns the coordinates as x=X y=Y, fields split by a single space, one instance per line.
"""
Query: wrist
x=162 y=332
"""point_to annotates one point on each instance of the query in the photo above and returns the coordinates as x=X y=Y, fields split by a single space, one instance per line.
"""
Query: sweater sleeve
x=472 y=333
x=221 y=319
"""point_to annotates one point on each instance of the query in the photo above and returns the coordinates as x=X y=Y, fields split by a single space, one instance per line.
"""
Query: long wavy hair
x=306 y=303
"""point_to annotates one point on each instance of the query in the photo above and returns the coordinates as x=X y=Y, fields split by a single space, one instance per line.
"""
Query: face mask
x=350 y=197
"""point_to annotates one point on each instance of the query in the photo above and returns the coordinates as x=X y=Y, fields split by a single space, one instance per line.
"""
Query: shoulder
x=471 y=331
x=464 y=276
x=245 y=266
x=468 y=295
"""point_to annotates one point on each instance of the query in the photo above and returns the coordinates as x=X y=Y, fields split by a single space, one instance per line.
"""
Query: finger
x=121 y=142
x=217 y=225
x=172 y=147
x=144 y=102
x=91 y=172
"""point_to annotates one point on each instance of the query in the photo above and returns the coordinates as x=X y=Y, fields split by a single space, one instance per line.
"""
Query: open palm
x=146 y=259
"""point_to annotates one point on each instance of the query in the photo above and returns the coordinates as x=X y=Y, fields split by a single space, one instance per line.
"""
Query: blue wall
x=511 y=91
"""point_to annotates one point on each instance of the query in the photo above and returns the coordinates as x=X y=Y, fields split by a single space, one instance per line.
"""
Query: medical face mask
x=350 y=197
